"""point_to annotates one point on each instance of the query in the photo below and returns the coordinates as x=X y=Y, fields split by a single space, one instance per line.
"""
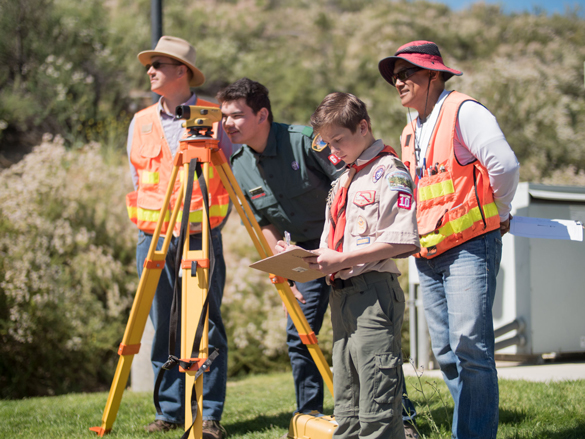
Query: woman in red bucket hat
x=466 y=176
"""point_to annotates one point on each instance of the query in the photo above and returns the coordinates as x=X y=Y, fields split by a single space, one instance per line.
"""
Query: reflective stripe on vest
x=144 y=215
x=436 y=190
x=149 y=177
x=459 y=225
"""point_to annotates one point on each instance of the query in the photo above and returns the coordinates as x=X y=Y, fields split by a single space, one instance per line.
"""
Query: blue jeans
x=458 y=290
x=306 y=375
x=172 y=389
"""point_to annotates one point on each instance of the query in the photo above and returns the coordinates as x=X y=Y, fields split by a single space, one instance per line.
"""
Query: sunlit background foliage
x=69 y=68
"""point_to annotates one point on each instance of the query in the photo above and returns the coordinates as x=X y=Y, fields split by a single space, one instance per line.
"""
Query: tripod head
x=198 y=119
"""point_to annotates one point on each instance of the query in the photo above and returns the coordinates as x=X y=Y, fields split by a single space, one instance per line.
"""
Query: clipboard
x=290 y=265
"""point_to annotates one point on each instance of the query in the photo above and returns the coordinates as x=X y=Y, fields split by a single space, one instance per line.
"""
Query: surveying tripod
x=200 y=148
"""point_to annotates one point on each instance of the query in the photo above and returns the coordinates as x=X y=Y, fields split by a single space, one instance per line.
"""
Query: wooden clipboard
x=290 y=265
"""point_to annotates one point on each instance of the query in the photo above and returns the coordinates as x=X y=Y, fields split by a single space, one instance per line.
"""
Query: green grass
x=260 y=407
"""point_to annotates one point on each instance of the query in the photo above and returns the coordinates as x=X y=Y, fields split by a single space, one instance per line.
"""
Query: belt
x=339 y=284
x=370 y=276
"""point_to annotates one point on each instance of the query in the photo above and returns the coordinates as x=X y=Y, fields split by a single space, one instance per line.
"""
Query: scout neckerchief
x=337 y=211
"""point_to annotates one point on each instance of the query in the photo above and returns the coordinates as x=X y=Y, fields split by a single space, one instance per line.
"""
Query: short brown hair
x=255 y=94
x=343 y=109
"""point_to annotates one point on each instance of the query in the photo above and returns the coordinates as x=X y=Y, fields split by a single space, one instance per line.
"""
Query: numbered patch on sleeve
x=400 y=181
x=404 y=201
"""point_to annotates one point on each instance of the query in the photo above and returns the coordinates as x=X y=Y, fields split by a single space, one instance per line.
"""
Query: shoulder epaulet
x=398 y=163
x=304 y=130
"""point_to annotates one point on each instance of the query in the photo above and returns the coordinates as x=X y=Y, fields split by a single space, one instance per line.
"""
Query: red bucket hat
x=424 y=54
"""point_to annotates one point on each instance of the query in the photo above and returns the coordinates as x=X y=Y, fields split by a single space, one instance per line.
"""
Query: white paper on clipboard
x=546 y=228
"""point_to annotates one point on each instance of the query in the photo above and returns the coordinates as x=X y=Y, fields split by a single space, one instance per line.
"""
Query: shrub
x=66 y=268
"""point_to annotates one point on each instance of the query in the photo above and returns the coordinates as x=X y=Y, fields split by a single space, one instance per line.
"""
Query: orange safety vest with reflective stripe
x=455 y=202
x=151 y=156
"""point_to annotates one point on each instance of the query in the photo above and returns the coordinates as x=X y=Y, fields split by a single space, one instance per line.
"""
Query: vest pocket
x=386 y=378
x=150 y=150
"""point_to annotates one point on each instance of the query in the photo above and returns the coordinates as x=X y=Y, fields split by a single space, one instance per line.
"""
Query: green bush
x=60 y=71
x=67 y=270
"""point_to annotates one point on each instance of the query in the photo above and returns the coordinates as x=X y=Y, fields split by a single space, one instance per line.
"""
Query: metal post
x=156 y=24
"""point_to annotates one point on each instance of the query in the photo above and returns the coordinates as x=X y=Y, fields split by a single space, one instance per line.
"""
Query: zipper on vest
x=477 y=198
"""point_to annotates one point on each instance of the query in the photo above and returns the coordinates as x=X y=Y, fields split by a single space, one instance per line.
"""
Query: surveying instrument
x=198 y=151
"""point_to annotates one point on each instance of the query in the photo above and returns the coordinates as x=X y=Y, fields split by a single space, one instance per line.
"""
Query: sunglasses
x=156 y=65
x=403 y=75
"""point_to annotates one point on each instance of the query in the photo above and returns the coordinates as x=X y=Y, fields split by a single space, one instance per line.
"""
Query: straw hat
x=177 y=49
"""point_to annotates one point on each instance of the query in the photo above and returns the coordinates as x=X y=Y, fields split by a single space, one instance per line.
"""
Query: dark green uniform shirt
x=287 y=185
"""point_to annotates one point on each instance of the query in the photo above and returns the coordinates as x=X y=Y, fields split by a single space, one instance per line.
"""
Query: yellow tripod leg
x=304 y=329
x=130 y=345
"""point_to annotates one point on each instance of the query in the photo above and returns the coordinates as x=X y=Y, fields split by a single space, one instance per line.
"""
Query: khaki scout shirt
x=287 y=184
x=380 y=208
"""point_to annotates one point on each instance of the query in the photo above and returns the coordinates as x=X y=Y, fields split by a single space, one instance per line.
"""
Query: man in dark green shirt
x=285 y=176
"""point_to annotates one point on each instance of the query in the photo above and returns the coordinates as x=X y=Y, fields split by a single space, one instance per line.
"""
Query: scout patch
x=362 y=225
x=334 y=159
x=257 y=192
x=146 y=128
x=378 y=173
x=318 y=144
x=295 y=165
x=400 y=181
x=404 y=200
x=363 y=241
x=363 y=198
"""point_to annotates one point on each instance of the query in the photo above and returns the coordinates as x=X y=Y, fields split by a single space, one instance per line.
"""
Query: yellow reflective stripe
x=131 y=212
x=196 y=215
x=147 y=177
x=436 y=190
x=151 y=215
x=458 y=225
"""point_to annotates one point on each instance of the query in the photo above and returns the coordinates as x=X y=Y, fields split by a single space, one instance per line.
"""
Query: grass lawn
x=260 y=407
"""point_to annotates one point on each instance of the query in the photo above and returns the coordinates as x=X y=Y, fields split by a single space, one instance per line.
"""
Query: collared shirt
x=380 y=208
x=477 y=136
x=287 y=184
x=173 y=134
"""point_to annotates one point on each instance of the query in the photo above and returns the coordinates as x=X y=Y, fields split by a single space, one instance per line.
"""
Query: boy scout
x=286 y=179
x=370 y=219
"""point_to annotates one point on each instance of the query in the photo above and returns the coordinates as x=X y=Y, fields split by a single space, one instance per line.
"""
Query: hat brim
x=386 y=67
x=198 y=77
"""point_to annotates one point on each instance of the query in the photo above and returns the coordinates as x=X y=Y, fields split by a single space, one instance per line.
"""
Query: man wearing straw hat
x=466 y=176
x=153 y=141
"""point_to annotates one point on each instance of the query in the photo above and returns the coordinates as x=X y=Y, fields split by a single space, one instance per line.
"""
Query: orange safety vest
x=151 y=156
x=456 y=202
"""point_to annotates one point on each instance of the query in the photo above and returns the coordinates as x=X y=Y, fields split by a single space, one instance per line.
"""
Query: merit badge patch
x=378 y=173
x=362 y=225
x=334 y=159
x=295 y=165
x=318 y=144
x=363 y=241
x=404 y=200
x=363 y=198
x=400 y=181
